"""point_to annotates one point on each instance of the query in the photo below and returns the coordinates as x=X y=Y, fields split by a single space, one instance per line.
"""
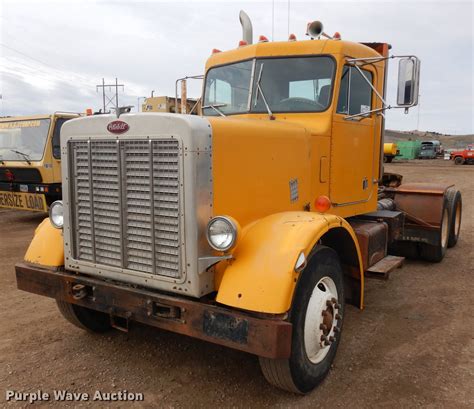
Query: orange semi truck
x=246 y=226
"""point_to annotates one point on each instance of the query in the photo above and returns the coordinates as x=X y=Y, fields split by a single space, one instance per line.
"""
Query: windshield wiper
x=216 y=108
x=259 y=90
x=25 y=155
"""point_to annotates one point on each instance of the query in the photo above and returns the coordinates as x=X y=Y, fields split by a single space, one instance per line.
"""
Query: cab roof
x=38 y=116
x=292 y=48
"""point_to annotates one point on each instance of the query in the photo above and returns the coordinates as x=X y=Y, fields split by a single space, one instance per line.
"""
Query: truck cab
x=429 y=150
x=252 y=226
x=30 y=157
x=465 y=156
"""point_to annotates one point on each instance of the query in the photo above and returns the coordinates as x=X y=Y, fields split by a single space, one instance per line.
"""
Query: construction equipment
x=30 y=174
x=248 y=226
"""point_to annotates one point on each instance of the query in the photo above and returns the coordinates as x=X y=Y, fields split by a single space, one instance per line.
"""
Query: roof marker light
x=337 y=35
x=291 y=37
x=262 y=39
x=243 y=43
x=215 y=51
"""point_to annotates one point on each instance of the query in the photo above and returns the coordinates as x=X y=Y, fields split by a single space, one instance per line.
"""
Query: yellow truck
x=390 y=151
x=30 y=157
x=247 y=226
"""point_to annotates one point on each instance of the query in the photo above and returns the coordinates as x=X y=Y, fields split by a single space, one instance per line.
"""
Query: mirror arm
x=371 y=86
x=369 y=60
x=384 y=103
x=377 y=110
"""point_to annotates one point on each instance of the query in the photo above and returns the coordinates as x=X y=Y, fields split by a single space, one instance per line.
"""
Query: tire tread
x=67 y=312
x=277 y=372
x=84 y=318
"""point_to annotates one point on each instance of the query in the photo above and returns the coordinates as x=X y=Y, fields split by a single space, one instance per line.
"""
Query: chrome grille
x=125 y=198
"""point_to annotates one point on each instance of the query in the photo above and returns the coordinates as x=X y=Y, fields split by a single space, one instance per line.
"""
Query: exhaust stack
x=247 y=31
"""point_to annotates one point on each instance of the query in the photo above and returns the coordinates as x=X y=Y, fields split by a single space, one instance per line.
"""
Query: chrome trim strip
x=91 y=188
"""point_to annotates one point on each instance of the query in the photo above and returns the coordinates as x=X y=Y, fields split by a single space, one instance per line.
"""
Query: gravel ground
x=411 y=347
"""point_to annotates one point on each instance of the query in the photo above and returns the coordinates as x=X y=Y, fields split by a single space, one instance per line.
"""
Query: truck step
x=384 y=267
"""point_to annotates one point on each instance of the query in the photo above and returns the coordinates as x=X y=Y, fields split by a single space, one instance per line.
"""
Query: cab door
x=353 y=141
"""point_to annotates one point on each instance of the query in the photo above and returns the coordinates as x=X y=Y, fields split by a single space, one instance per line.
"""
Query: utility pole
x=109 y=100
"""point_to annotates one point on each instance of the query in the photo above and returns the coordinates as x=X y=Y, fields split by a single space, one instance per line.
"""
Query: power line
x=106 y=97
x=42 y=73
x=79 y=78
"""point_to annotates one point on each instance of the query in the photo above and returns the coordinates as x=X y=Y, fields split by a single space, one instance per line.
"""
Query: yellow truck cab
x=30 y=158
x=249 y=226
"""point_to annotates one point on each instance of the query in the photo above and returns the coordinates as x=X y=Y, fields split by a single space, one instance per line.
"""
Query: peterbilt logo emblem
x=118 y=127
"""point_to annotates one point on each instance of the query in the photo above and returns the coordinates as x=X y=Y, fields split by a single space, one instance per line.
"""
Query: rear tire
x=435 y=253
x=458 y=160
x=455 y=215
x=316 y=314
x=84 y=318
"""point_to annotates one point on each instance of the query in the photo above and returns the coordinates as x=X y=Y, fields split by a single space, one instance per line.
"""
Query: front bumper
x=266 y=337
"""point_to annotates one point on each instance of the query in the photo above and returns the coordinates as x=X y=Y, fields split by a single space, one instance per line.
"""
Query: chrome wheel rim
x=322 y=322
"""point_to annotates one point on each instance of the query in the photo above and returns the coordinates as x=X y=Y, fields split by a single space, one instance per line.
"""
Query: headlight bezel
x=52 y=217
x=234 y=229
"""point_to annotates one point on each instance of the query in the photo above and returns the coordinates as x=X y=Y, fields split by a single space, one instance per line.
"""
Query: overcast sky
x=53 y=53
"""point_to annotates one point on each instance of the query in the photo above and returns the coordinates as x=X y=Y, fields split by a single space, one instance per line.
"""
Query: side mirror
x=408 y=81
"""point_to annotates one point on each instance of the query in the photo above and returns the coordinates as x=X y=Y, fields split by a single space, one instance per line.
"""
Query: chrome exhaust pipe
x=247 y=31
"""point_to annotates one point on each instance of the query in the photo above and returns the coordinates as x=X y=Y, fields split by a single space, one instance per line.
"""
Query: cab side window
x=355 y=94
x=56 y=140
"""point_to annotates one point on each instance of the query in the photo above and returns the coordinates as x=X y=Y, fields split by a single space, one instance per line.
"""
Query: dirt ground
x=411 y=347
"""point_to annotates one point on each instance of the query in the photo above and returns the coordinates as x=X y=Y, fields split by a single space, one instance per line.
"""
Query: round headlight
x=56 y=215
x=222 y=233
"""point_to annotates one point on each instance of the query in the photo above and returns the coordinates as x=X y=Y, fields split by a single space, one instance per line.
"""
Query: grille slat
x=130 y=188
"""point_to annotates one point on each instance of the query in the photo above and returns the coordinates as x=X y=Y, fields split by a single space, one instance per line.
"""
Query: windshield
x=23 y=140
x=300 y=84
x=227 y=89
x=295 y=84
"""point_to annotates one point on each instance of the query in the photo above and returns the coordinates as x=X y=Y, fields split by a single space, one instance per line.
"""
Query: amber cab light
x=215 y=51
x=262 y=39
x=291 y=37
x=242 y=43
x=89 y=111
x=337 y=35
x=322 y=204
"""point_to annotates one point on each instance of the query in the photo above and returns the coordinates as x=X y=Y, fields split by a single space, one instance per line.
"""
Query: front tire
x=84 y=318
x=317 y=315
x=458 y=160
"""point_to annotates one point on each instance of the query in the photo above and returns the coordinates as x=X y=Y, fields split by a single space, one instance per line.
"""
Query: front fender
x=261 y=277
x=47 y=246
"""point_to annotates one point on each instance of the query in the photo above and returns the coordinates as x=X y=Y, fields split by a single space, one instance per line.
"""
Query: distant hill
x=448 y=141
